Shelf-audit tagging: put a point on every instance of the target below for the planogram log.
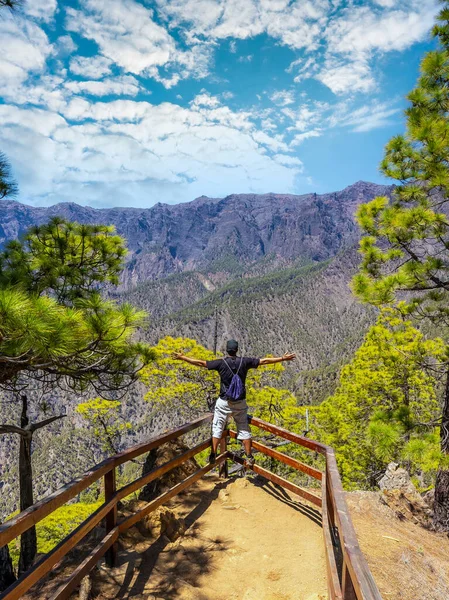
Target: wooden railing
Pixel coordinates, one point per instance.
(349, 578)
(348, 574)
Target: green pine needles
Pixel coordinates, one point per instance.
(406, 240)
(386, 406)
(54, 323)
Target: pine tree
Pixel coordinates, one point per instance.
(56, 329)
(12, 4)
(105, 419)
(385, 407)
(8, 188)
(8, 185)
(405, 247)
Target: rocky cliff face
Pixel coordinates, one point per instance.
(216, 233)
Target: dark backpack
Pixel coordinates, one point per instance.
(235, 389)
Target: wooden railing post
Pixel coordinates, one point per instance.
(223, 469)
(111, 516)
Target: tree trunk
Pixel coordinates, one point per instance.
(441, 504)
(28, 540)
(7, 576)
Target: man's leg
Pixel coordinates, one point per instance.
(247, 445)
(240, 414)
(218, 426)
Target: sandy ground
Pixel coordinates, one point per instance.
(407, 561)
(244, 541)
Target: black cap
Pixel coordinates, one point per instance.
(232, 346)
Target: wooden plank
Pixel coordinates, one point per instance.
(333, 581)
(43, 566)
(282, 482)
(287, 460)
(223, 471)
(362, 580)
(23, 521)
(65, 590)
(144, 447)
(159, 471)
(288, 435)
(133, 519)
(111, 516)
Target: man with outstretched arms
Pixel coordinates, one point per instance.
(232, 400)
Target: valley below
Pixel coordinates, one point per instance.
(272, 271)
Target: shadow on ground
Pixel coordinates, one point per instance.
(184, 561)
(282, 495)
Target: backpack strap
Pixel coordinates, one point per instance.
(236, 373)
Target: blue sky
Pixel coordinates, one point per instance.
(127, 103)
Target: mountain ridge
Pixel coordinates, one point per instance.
(211, 234)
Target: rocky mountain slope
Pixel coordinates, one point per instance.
(274, 268)
(211, 234)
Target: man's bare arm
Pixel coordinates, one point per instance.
(276, 359)
(196, 362)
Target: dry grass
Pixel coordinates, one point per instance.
(408, 562)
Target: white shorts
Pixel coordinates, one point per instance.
(223, 410)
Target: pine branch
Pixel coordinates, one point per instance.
(13, 429)
(35, 426)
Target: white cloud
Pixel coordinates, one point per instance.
(386, 3)
(365, 118)
(127, 85)
(295, 24)
(91, 67)
(288, 161)
(47, 91)
(232, 46)
(127, 34)
(358, 33)
(344, 42)
(283, 97)
(344, 77)
(313, 119)
(127, 152)
(299, 138)
(41, 9)
(25, 48)
(205, 99)
(65, 45)
(359, 30)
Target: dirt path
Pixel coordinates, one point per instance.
(244, 541)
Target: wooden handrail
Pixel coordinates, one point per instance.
(26, 519)
(68, 586)
(289, 435)
(348, 574)
(10, 529)
(357, 582)
(287, 460)
(334, 585)
(288, 485)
